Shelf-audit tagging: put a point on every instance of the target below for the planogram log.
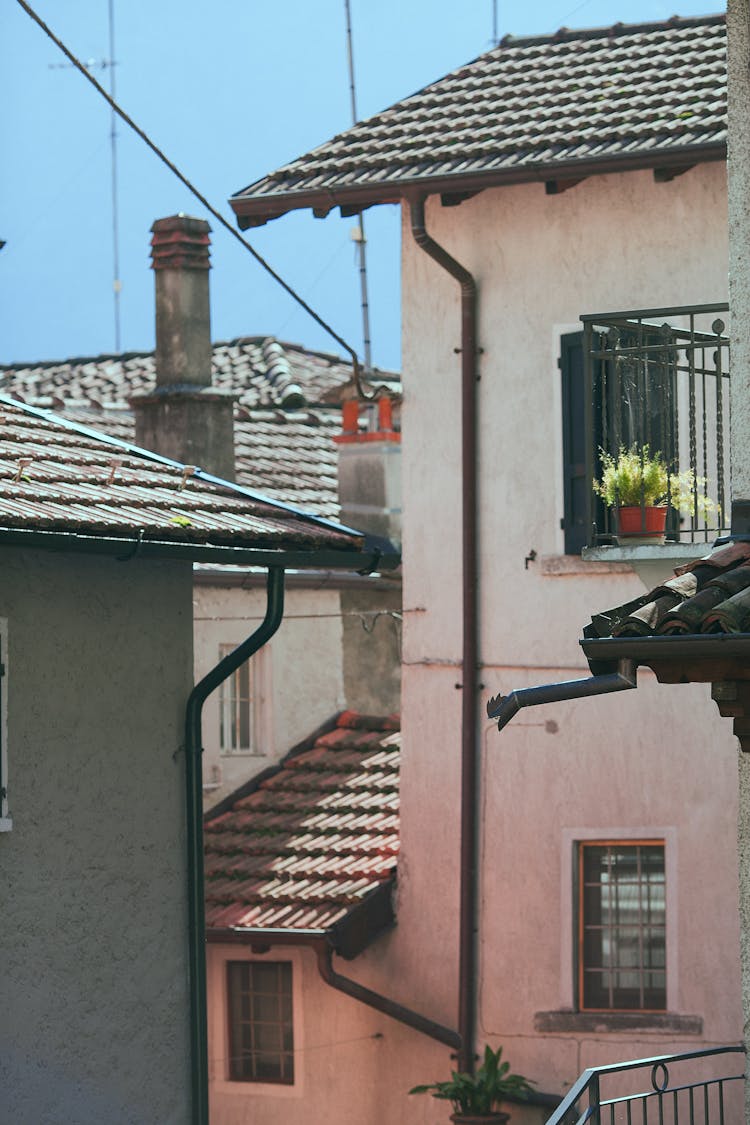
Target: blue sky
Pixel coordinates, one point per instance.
(230, 90)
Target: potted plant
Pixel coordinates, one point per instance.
(476, 1097)
(639, 485)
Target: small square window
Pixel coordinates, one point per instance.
(622, 926)
(261, 1032)
(236, 718)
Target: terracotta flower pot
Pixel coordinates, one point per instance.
(642, 525)
(495, 1118)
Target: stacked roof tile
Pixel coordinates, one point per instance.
(312, 840)
(285, 417)
(710, 596)
(56, 476)
(636, 95)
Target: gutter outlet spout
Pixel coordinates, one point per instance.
(504, 707)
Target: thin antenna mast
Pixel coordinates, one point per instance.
(359, 233)
(116, 282)
(109, 64)
(495, 36)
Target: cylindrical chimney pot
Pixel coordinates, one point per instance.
(180, 260)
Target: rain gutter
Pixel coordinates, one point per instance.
(374, 555)
(469, 874)
(194, 810)
(502, 708)
(257, 210)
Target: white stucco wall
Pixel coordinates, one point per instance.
(93, 942)
(352, 1064)
(298, 676)
(658, 759)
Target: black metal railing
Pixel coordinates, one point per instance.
(656, 381)
(695, 1088)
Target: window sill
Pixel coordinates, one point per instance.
(6, 823)
(594, 1022)
(568, 566)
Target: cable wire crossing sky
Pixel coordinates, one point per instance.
(229, 96)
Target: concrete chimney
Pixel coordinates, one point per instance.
(370, 472)
(184, 418)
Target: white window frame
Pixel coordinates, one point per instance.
(571, 837)
(6, 822)
(259, 712)
(221, 1083)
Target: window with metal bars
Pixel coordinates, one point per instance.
(622, 926)
(261, 1032)
(236, 718)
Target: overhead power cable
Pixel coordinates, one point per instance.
(198, 195)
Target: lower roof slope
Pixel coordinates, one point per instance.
(63, 479)
(286, 411)
(312, 843)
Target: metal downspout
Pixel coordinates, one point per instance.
(468, 922)
(194, 809)
(504, 707)
(381, 1003)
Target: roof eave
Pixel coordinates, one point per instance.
(254, 211)
(124, 549)
(348, 937)
(692, 658)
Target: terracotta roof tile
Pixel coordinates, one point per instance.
(334, 842)
(523, 109)
(710, 595)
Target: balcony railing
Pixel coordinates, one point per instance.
(697, 1088)
(658, 380)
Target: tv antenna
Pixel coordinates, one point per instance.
(495, 36)
(358, 234)
(109, 64)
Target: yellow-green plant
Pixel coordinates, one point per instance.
(638, 476)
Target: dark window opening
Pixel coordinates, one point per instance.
(261, 1034)
(622, 926)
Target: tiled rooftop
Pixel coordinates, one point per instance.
(56, 476)
(634, 95)
(285, 418)
(304, 845)
(710, 596)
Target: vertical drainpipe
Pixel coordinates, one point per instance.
(469, 874)
(194, 808)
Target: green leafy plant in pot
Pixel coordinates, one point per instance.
(476, 1097)
(638, 484)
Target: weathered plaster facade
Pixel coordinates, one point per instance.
(94, 989)
(656, 760)
(738, 47)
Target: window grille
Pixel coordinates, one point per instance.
(622, 926)
(656, 378)
(236, 718)
(261, 1033)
